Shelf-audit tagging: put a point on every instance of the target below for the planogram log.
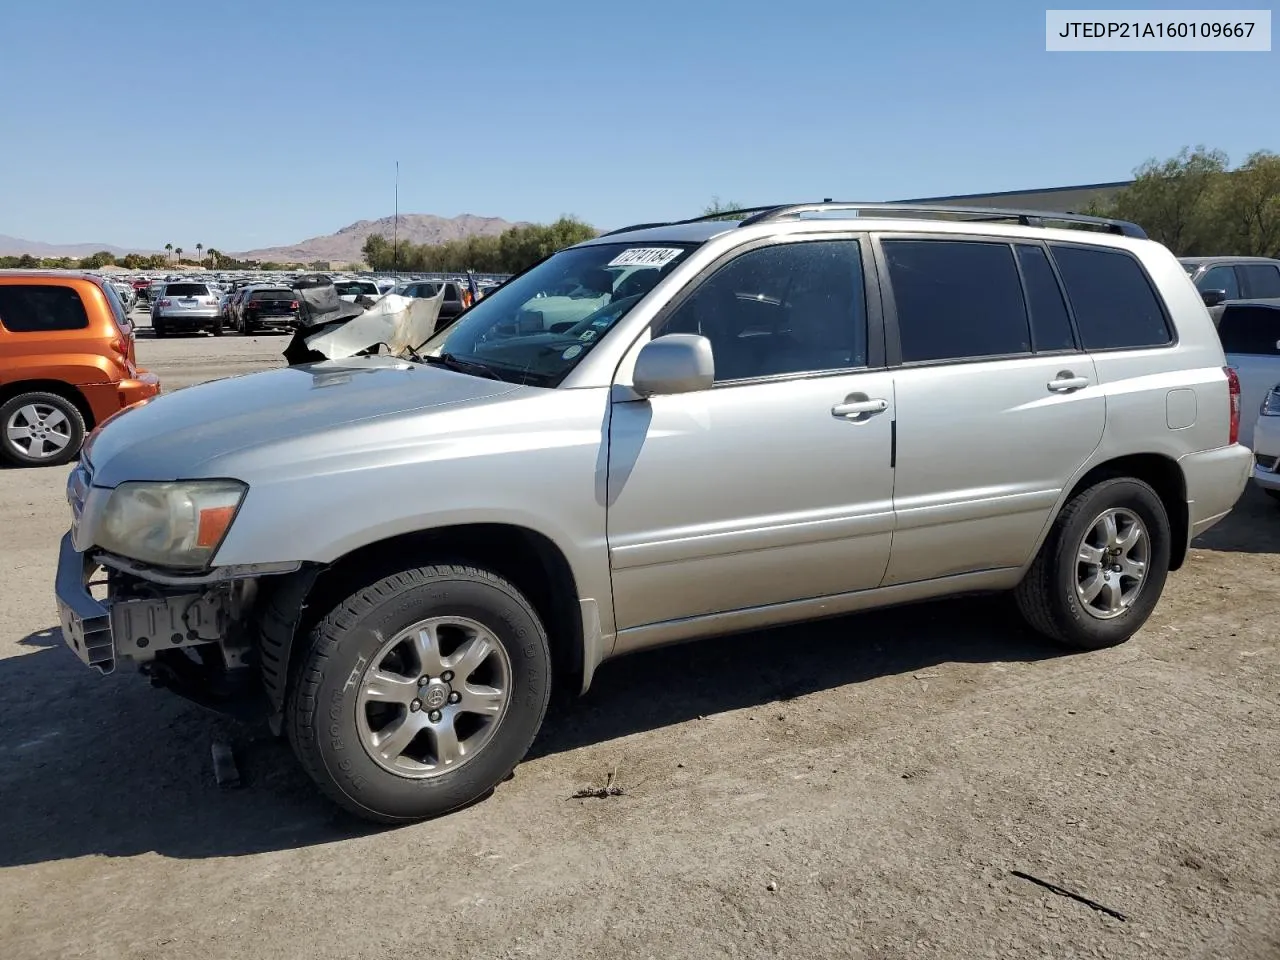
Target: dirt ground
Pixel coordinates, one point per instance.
(860, 788)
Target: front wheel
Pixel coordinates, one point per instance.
(1101, 569)
(419, 693)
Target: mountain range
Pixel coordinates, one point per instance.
(344, 245)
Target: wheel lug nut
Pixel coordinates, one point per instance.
(434, 716)
(455, 697)
(415, 706)
(423, 681)
(447, 676)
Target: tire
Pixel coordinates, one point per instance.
(60, 429)
(328, 721)
(158, 328)
(216, 329)
(246, 327)
(1048, 597)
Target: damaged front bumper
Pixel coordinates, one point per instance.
(197, 634)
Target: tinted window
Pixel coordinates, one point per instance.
(116, 304)
(791, 308)
(1262, 279)
(956, 299)
(271, 295)
(1113, 301)
(186, 290)
(1221, 278)
(1250, 329)
(1050, 324)
(28, 308)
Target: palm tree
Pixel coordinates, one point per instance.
(178, 251)
(199, 254)
(213, 257)
(168, 249)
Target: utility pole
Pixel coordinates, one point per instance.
(395, 229)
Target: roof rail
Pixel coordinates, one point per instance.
(634, 226)
(1028, 218)
(721, 215)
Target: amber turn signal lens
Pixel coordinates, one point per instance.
(213, 525)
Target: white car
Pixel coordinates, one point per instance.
(1250, 335)
(1266, 445)
(349, 290)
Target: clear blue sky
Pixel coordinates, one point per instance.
(239, 124)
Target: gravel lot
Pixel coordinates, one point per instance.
(861, 788)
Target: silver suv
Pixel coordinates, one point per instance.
(186, 305)
(664, 433)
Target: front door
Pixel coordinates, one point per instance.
(775, 484)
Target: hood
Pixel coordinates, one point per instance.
(181, 435)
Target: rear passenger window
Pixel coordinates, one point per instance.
(957, 300)
(1250, 330)
(31, 308)
(1114, 303)
(1050, 324)
(1262, 279)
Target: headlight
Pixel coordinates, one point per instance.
(1271, 405)
(177, 524)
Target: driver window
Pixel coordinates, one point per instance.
(791, 308)
(1221, 278)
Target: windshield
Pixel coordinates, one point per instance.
(538, 326)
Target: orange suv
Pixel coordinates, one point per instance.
(67, 362)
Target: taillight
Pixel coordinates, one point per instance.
(119, 346)
(162, 303)
(293, 305)
(1233, 388)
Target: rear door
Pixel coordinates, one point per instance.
(997, 405)
(1250, 335)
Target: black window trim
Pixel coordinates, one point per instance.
(1170, 327)
(892, 335)
(1062, 292)
(871, 293)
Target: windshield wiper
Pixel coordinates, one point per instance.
(463, 366)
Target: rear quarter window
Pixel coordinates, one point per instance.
(41, 308)
(1114, 303)
(1252, 330)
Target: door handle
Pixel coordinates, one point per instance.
(853, 409)
(1066, 381)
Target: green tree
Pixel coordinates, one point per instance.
(1250, 204)
(178, 252)
(100, 259)
(27, 261)
(718, 209)
(168, 248)
(200, 253)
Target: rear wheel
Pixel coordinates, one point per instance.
(216, 329)
(246, 327)
(419, 694)
(158, 327)
(39, 429)
(1101, 569)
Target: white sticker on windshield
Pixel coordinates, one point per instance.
(645, 257)
(571, 352)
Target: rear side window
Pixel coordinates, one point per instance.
(1262, 279)
(1250, 330)
(1050, 324)
(117, 305)
(1113, 301)
(32, 308)
(957, 300)
(1221, 278)
(186, 290)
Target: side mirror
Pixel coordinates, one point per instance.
(1212, 298)
(676, 363)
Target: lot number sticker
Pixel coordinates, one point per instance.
(645, 257)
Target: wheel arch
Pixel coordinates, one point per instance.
(1163, 475)
(293, 604)
(61, 388)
